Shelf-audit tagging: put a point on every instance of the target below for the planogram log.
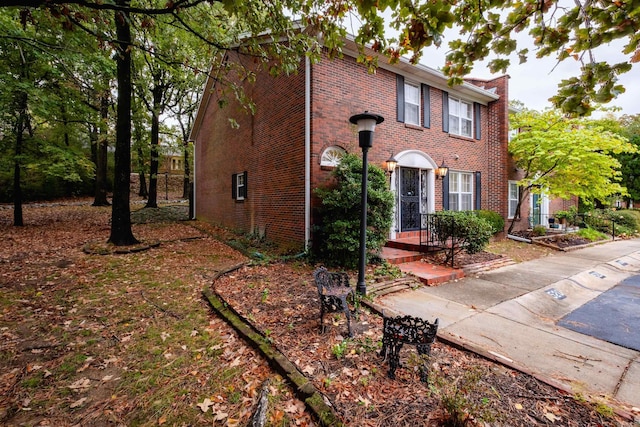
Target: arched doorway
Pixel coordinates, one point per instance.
(413, 185)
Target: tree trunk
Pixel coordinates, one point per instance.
(17, 187)
(121, 233)
(21, 125)
(100, 196)
(516, 215)
(152, 202)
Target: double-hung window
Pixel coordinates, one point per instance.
(460, 117)
(412, 103)
(460, 191)
(514, 193)
(239, 186)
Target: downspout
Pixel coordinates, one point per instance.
(193, 183)
(307, 153)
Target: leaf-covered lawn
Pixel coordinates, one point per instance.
(121, 339)
(127, 339)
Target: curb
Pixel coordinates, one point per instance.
(303, 388)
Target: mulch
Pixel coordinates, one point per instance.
(281, 301)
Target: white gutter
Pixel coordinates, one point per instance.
(307, 152)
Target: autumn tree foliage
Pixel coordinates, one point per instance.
(563, 157)
(276, 34)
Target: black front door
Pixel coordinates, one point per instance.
(409, 199)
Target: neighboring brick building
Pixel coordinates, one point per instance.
(260, 178)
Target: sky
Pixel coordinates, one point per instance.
(535, 81)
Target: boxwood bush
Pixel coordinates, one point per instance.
(337, 235)
(493, 218)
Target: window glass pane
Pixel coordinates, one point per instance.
(466, 110)
(466, 183)
(453, 202)
(466, 202)
(454, 125)
(454, 107)
(513, 190)
(411, 94)
(411, 114)
(513, 205)
(454, 185)
(466, 127)
(412, 104)
(513, 198)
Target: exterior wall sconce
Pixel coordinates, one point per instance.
(441, 171)
(390, 166)
(366, 126)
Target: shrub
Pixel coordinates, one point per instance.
(591, 234)
(468, 232)
(337, 235)
(539, 230)
(493, 218)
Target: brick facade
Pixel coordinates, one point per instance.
(270, 145)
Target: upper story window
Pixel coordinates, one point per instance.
(460, 117)
(332, 156)
(460, 191)
(411, 103)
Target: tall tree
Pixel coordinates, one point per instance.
(42, 109)
(121, 233)
(574, 32)
(564, 157)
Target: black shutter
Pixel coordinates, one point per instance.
(400, 98)
(445, 193)
(445, 111)
(426, 99)
(246, 185)
(478, 201)
(234, 186)
(476, 119)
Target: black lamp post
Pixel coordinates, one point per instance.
(366, 126)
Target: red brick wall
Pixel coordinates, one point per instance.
(341, 89)
(270, 147)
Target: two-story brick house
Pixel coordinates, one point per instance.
(260, 177)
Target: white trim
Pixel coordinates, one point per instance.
(509, 183)
(458, 192)
(307, 153)
(460, 117)
(193, 183)
(415, 86)
(418, 160)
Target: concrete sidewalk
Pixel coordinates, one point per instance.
(511, 315)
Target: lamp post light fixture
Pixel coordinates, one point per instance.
(366, 126)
